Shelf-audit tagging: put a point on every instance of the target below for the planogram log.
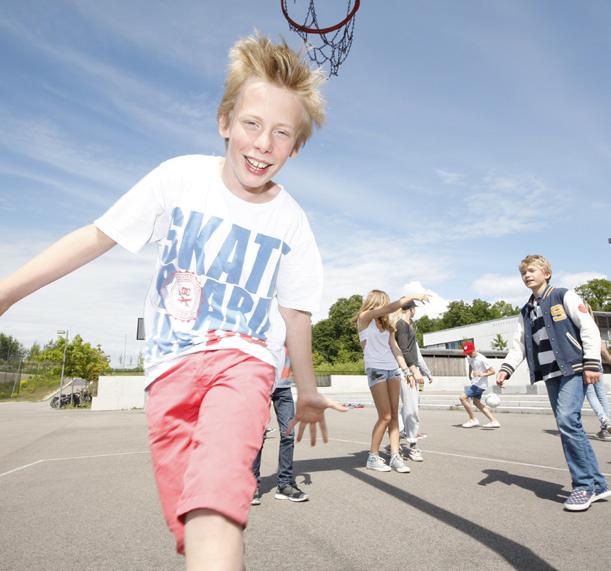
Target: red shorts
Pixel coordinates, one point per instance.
(206, 419)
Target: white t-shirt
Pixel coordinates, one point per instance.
(480, 364)
(220, 260)
(377, 353)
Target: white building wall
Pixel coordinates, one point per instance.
(119, 393)
(483, 334)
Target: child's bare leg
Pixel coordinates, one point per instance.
(484, 409)
(382, 402)
(464, 400)
(212, 542)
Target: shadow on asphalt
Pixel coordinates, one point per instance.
(590, 436)
(516, 555)
(541, 488)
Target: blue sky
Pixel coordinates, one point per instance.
(461, 136)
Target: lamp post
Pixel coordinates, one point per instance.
(66, 333)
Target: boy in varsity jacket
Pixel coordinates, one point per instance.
(561, 344)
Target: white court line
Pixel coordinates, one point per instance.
(481, 458)
(69, 458)
(428, 451)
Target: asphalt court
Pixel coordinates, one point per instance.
(77, 492)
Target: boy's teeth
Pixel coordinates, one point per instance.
(257, 164)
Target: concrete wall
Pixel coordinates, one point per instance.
(126, 393)
(119, 393)
(519, 383)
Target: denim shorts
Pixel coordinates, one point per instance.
(375, 376)
(474, 392)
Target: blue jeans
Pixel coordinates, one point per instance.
(284, 406)
(597, 397)
(566, 396)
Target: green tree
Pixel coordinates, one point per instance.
(335, 339)
(499, 343)
(10, 348)
(82, 360)
(458, 313)
(597, 293)
(503, 309)
(34, 351)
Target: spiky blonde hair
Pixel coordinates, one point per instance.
(258, 57)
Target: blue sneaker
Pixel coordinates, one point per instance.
(579, 500)
(601, 495)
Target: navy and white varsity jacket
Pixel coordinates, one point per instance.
(573, 335)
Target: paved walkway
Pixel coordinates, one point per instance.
(76, 492)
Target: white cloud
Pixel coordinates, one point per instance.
(357, 261)
(503, 205)
(149, 106)
(572, 280)
(43, 142)
(101, 301)
(434, 308)
(510, 288)
(450, 177)
(497, 287)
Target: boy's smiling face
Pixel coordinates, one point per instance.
(261, 134)
(535, 278)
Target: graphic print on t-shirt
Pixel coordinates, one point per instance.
(214, 276)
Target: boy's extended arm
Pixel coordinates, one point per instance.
(62, 257)
(311, 405)
(366, 316)
(424, 369)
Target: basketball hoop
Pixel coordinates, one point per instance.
(335, 41)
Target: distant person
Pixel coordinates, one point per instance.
(597, 393)
(409, 416)
(561, 344)
(478, 370)
(284, 407)
(385, 366)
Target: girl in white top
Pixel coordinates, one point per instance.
(384, 363)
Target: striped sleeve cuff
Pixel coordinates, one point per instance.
(507, 368)
(592, 365)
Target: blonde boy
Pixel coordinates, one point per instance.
(561, 344)
(229, 240)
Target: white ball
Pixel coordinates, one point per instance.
(493, 400)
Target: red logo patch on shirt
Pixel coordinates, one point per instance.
(582, 308)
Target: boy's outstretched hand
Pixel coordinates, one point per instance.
(501, 378)
(310, 411)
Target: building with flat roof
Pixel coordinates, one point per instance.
(483, 334)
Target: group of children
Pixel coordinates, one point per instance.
(559, 340)
(232, 244)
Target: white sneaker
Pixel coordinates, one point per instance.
(415, 455)
(397, 464)
(471, 423)
(374, 462)
(492, 424)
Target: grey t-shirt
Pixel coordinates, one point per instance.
(406, 339)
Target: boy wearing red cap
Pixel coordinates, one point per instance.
(478, 371)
